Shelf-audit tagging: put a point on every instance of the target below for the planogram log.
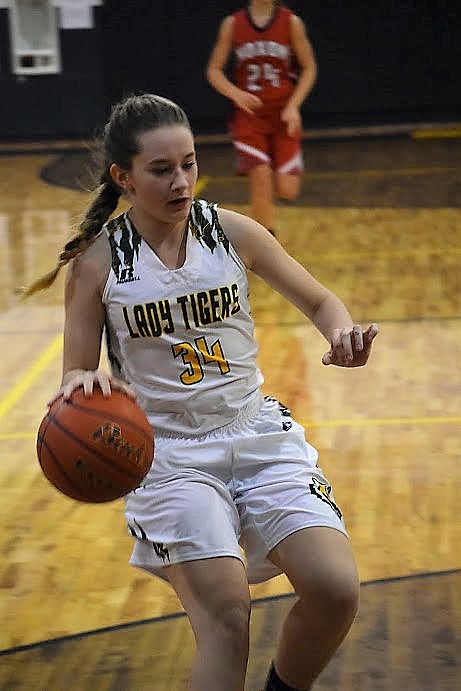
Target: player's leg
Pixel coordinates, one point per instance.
(261, 194)
(292, 524)
(251, 143)
(288, 165)
(214, 593)
(320, 565)
(186, 527)
(287, 185)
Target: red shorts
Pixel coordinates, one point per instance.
(262, 138)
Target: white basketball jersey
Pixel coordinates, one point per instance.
(183, 338)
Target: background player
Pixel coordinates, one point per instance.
(274, 71)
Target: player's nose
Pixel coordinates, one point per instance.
(180, 180)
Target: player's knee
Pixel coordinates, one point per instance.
(228, 627)
(344, 603)
(287, 187)
(335, 603)
(288, 195)
(228, 631)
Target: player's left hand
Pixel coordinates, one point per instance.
(350, 347)
(292, 118)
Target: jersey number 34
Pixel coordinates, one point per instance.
(194, 355)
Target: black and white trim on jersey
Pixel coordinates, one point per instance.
(203, 221)
(124, 252)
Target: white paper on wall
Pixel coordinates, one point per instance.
(76, 14)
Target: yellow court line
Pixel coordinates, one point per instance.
(447, 133)
(309, 424)
(31, 375)
(368, 422)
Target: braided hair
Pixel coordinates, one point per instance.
(119, 144)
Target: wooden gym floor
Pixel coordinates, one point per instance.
(379, 221)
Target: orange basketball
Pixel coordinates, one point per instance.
(95, 448)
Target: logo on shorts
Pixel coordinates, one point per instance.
(161, 551)
(137, 530)
(324, 492)
(284, 412)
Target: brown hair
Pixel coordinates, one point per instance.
(118, 144)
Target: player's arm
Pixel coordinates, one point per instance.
(84, 322)
(305, 56)
(215, 70)
(350, 346)
(84, 316)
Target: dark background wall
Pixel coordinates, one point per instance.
(65, 105)
(381, 62)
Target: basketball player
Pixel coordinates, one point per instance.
(274, 72)
(167, 283)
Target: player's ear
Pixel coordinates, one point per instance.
(121, 178)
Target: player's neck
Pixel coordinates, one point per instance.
(168, 241)
(261, 11)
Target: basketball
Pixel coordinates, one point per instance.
(95, 448)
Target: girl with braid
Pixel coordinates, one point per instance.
(166, 283)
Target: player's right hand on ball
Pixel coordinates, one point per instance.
(88, 379)
(246, 101)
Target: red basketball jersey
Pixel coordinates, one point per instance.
(263, 56)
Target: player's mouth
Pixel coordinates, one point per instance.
(180, 203)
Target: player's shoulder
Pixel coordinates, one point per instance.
(120, 228)
(287, 20)
(234, 223)
(283, 13)
(227, 24)
(296, 22)
(115, 235)
(116, 225)
(239, 14)
(207, 211)
(296, 19)
(204, 216)
(92, 265)
(283, 10)
(226, 28)
(201, 205)
(239, 18)
(248, 237)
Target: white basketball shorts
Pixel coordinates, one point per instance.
(245, 486)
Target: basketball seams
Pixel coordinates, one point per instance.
(70, 481)
(46, 422)
(114, 417)
(88, 447)
(60, 468)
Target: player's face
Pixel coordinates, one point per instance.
(163, 174)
